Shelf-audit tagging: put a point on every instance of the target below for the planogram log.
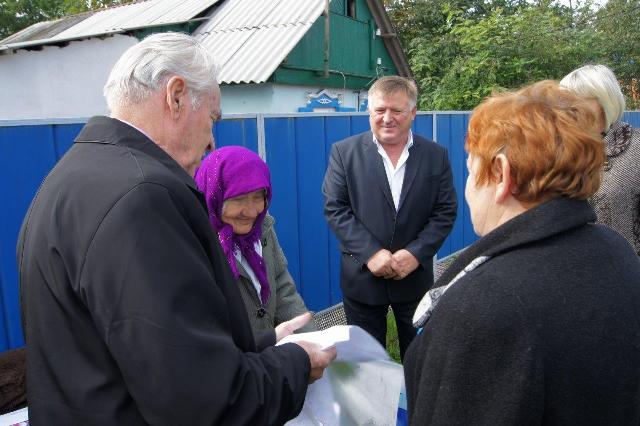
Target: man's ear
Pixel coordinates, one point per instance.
(176, 95)
(502, 176)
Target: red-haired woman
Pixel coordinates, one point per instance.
(538, 322)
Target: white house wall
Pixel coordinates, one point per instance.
(66, 82)
(275, 98)
(59, 82)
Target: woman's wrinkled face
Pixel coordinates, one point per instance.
(242, 211)
(481, 200)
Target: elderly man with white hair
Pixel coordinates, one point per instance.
(130, 311)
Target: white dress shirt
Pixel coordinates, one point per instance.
(245, 264)
(395, 175)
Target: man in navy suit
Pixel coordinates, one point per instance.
(389, 198)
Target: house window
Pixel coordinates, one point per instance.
(351, 8)
(344, 7)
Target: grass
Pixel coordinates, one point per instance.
(393, 345)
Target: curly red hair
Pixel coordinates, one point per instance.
(548, 134)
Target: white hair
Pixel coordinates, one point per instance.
(599, 82)
(144, 68)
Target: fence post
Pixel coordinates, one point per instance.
(434, 117)
(262, 146)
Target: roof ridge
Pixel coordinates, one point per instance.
(115, 6)
(257, 27)
(100, 9)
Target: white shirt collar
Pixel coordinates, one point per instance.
(406, 147)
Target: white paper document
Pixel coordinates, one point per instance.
(361, 387)
(325, 338)
(15, 418)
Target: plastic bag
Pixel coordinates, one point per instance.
(361, 387)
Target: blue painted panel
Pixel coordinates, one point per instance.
(297, 150)
(633, 118)
(336, 129)
(451, 131)
(281, 159)
(359, 124)
(423, 126)
(27, 153)
(313, 237)
(241, 132)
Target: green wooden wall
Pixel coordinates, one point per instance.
(354, 49)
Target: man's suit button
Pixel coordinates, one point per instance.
(261, 312)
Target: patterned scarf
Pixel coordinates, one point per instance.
(226, 173)
(431, 299)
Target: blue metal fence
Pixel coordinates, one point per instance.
(296, 148)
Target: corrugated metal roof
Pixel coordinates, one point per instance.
(112, 20)
(45, 30)
(250, 39)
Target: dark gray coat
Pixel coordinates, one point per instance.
(131, 313)
(546, 332)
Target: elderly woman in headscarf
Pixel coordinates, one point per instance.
(617, 202)
(538, 322)
(237, 186)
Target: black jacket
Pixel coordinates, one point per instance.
(131, 313)
(359, 209)
(547, 331)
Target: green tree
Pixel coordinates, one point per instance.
(618, 23)
(422, 18)
(473, 54)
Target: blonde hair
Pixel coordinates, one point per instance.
(599, 82)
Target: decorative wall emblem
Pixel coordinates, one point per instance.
(324, 101)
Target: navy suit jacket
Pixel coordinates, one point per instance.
(359, 209)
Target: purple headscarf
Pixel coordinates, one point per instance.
(226, 173)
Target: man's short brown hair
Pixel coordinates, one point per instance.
(392, 84)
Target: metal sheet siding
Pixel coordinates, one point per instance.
(297, 149)
(451, 130)
(27, 153)
(315, 278)
(281, 158)
(632, 117)
(232, 131)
